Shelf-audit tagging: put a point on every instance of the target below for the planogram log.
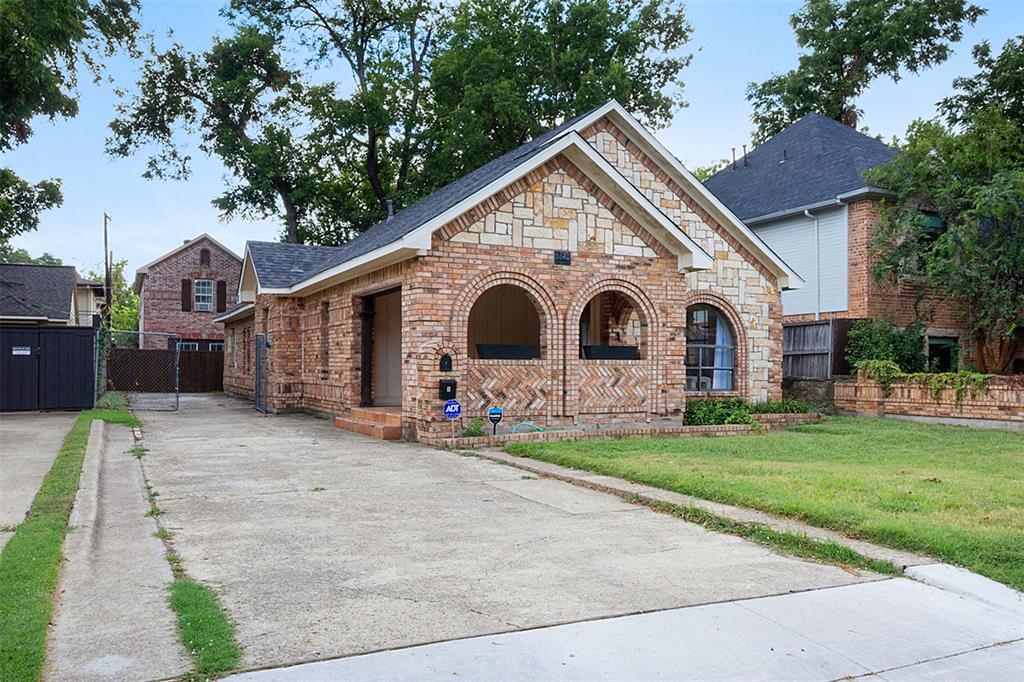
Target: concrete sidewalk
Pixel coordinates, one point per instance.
(28, 445)
(111, 619)
(892, 630)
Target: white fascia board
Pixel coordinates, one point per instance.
(788, 278)
(235, 314)
(33, 318)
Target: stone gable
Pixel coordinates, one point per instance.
(561, 210)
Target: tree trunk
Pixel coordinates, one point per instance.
(373, 168)
(291, 216)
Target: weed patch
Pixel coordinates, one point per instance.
(205, 630)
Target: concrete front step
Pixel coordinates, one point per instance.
(369, 428)
(390, 416)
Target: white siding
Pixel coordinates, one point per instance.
(793, 240)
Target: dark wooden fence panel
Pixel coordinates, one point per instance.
(815, 350)
(201, 371)
(153, 371)
(47, 368)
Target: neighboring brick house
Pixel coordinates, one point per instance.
(803, 193)
(585, 277)
(183, 290)
(48, 295)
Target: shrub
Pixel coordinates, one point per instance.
(475, 428)
(882, 340)
(784, 406)
(704, 412)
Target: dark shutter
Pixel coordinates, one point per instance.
(222, 296)
(186, 295)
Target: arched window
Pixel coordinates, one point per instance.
(710, 350)
(204, 257)
(504, 325)
(611, 328)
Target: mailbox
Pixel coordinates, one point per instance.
(446, 390)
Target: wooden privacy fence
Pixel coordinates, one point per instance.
(154, 371)
(815, 350)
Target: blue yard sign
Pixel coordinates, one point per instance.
(452, 409)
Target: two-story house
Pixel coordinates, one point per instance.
(183, 290)
(804, 194)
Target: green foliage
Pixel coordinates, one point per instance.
(124, 310)
(29, 560)
(508, 70)
(21, 203)
(475, 428)
(998, 84)
(702, 173)
(42, 47)
(882, 371)
(241, 100)
(953, 493)
(707, 411)
(962, 383)
(882, 340)
(435, 92)
(784, 406)
(847, 45)
(973, 179)
(9, 255)
(205, 630)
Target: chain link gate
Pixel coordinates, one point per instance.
(146, 367)
(260, 385)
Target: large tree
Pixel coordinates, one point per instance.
(510, 69)
(43, 45)
(241, 101)
(956, 225)
(848, 44)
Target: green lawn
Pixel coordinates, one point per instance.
(952, 492)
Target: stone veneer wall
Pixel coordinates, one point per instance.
(736, 275)
(1003, 400)
(510, 239)
(161, 294)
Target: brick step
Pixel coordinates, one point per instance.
(368, 428)
(377, 415)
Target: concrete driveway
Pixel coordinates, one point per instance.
(29, 442)
(323, 543)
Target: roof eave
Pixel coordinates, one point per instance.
(236, 314)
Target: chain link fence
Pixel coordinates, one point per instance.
(145, 367)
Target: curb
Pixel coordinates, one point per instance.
(653, 497)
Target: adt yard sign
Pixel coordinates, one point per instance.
(452, 409)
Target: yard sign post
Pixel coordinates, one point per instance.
(452, 410)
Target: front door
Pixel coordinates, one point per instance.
(387, 349)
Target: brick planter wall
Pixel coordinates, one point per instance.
(1003, 400)
(769, 422)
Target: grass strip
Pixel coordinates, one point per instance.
(30, 559)
(205, 630)
(781, 541)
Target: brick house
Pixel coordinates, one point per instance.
(803, 193)
(182, 291)
(585, 277)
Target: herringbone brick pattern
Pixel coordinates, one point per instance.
(613, 386)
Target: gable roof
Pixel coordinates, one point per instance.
(280, 267)
(812, 162)
(144, 270)
(38, 292)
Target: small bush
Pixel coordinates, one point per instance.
(705, 412)
(784, 406)
(475, 428)
(882, 340)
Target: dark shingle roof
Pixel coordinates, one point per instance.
(281, 265)
(814, 160)
(37, 290)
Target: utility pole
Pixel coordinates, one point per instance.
(108, 275)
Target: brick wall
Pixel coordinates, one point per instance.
(161, 294)
(1003, 399)
(510, 239)
(238, 357)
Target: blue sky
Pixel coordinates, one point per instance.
(734, 43)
